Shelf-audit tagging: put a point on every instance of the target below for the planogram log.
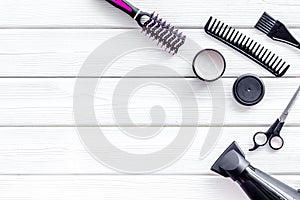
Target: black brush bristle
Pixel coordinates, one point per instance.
(276, 30)
(266, 23)
(165, 34)
(246, 46)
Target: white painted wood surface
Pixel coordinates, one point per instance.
(28, 53)
(97, 14)
(25, 100)
(123, 187)
(43, 46)
(58, 150)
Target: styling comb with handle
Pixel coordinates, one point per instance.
(246, 46)
(276, 30)
(158, 29)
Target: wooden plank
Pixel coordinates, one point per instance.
(49, 102)
(27, 150)
(82, 13)
(123, 187)
(44, 53)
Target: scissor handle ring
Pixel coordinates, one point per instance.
(276, 142)
(259, 142)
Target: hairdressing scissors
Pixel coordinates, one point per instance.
(272, 136)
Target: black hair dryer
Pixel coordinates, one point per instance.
(256, 184)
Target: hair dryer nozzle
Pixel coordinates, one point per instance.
(231, 163)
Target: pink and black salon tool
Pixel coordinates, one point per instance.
(158, 29)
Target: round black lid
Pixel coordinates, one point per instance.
(248, 90)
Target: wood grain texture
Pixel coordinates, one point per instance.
(99, 14)
(123, 187)
(49, 102)
(59, 151)
(53, 52)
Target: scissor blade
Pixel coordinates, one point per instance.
(289, 106)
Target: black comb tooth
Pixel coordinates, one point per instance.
(213, 25)
(267, 57)
(259, 54)
(220, 29)
(234, 38)
(281, 67)
(216, 27)
(274, 61)
(256, 50)
(230, 37)
(263, 55)
(242, 41)
(268, 63)
(253, 47)
(284, 71)
(238, 41)
(226, 36)
(249, 46)
(245, 46)
(224, 30)
(246, 43)
(276, 66)
(238, 37)
(208, 24)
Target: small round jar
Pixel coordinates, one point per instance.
(248, 90)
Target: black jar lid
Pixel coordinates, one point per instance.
(248, 90)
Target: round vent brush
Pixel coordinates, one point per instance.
(158, 29)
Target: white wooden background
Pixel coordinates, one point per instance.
(43, 45)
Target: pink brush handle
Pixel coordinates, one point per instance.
(124, 6)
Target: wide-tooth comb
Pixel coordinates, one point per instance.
(276, 30)
(165, 34)
(246, 46)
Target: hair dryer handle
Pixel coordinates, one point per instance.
(261, 186)
(124, 6)
(253, 192)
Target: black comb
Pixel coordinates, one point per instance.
(276, 30)
(246, 46)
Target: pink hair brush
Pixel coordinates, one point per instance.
(158, 29)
